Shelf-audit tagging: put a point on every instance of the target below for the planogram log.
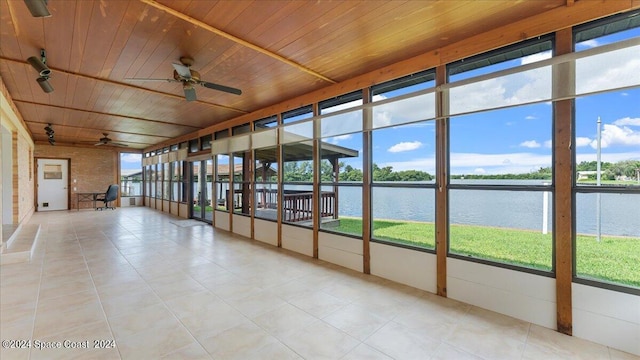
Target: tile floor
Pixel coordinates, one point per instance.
(142, 287)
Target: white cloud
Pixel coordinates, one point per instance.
(530, 117)
(131, 158)
(582, 141)
(535, 57)
(587, 44)
(623, 69)
(627, 121)
(479, 171)
(337, 139)
(467, 163)
(405, 146)
(608, 157)
(617, 135)
(548, 144)
(530, 144)
(400, 112)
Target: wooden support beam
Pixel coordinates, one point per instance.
(442, 221)
(563, 183)
(316, 181)
(367, 119)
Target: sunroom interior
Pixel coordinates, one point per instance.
(490, 159)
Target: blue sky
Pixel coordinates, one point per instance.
(517, 139)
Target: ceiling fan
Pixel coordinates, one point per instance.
(106, 141)
(182, 73)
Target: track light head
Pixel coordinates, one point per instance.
(48, 129)
(39, 65)
(44, 84)
(38, 8)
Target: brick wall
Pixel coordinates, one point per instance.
(94, 169)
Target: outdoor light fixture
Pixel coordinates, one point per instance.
(38, 8)
(49, 130)
(43, 71)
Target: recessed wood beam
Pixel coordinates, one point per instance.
(71, 73)
(105, 114)
(235, 39)
(111, 131)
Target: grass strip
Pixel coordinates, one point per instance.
(614, 259)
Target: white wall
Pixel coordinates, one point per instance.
(221, 220)
(298, 239)
(341, 250)
(409, 267)
(606, 317)
(518, 294)
(242, 225)
(265, 231)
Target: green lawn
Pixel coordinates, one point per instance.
(612, 259)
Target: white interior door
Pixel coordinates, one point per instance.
(53, 192)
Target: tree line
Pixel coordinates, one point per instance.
(302, 171)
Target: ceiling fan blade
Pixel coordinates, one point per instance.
(221, 87)
(142, 79)
(182, 70)
(118, 144)
(99, 144)
(189, 92)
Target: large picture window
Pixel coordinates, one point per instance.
(403, 162)
(607, 154)
(341, 164)
(500, 157)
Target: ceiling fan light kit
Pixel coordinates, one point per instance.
(37, 8)
(49, 130)
(105, 140)
(43, 70)
(182, 73)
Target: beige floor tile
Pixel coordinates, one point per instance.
(246, 341)
(318, 303)
(117, 305)
(549, 344)
(364, 351)
(400, 342)
(155, 342)
(193, 351)
(213, 321)
(197, 303)
(258, 303)
(320, 340)
(140, 319)
(486, 342)
(284, 319)
(66, 312)
(447, 352)
(356, 321)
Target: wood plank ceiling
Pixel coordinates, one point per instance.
(271, 50)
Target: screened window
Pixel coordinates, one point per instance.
(607, 148)
(500, 157)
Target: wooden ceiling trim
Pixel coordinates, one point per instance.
(235, 39)
(70, 73)
(106, 114)
(547, 22)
